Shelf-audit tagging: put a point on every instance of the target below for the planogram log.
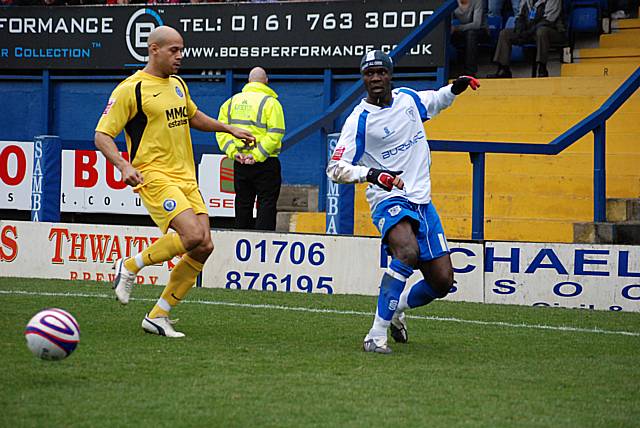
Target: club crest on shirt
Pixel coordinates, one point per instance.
(394, 210)
(179, 92)
(411, 113)
(381, 224)
(169, 205)
(388, 132)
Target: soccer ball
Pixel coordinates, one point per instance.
(52, 334)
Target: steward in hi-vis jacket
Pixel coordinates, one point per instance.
(256, 167)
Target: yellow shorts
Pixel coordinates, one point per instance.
(165, 198)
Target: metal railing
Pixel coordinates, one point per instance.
(595, 122)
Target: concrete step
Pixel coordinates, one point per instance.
(626, 233)
(624, 53)
(616, 141)
(558, 185)
(623, 210)
(551, 86)
(621, 121)
(519, 206)
(576, 163)
(632, 31)
(626, 24)
(619, 40)
(608, 60)
(603, 69)
(298, 198)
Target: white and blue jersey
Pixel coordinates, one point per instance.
(393, 138)
(390, 138)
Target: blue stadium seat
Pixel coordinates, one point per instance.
(495, 26)
(584, 17)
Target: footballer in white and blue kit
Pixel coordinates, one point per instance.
(383, 142)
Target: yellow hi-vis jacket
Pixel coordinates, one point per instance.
(257, 110)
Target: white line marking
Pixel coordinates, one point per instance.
(335, 311)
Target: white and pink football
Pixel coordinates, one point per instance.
(52, 334)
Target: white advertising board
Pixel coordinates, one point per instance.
(74, 251)
(91, 184)
(215, 177)
(601, 277)
(605, 277)
(321, 264)
(16, 172)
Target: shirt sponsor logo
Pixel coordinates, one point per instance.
(177, 116)
(337, 154)
(404, 146)
(110, 103)
(169, 205)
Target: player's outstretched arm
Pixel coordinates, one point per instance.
(205, 123)
(108, 148)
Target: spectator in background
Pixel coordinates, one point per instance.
(256, 168)
(537, 21)
(471, 30)
(495, 7)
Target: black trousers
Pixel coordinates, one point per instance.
(261, 180)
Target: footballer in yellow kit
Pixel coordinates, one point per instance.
(155, 113)
(155, 110)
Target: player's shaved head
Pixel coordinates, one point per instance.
(257, 74)
(163, 35)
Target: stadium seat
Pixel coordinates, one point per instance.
(585, 16)
(495, 26)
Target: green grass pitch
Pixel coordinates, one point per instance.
(295, 360)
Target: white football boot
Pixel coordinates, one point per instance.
(398, 328)
(376, 344)
(123, 282)
(162, 326)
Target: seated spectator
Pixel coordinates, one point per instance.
(495, 7)
(538, 21)
(471, 30)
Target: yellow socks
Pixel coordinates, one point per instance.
(162, 250)
(181, 280)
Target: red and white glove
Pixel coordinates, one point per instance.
(461, 83)
(385, 179)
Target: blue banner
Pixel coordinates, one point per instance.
(340, 199)
(45, 184)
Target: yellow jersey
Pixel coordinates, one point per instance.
(154, 113)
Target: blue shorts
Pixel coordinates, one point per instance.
(432, 242)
